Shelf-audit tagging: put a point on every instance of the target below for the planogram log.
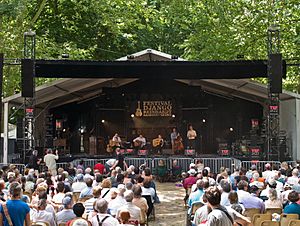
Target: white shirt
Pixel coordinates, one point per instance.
(148, 191)
(135, 212)
(58, 197)
(110, 162)
(292, 180)
(78, 186)
(116, 204)
(224, 199)
(141, 139)
(65, 215)
(110, 221)
(42, 215)
(268, 174)
(243, 195)
(50, 161)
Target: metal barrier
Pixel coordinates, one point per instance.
(139, 161)
(292, 163)
(155, 162)
(183, 162)
(260, 165)
(216, 163)
(20, 167)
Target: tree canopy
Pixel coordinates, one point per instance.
(106, 30)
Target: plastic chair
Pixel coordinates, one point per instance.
(286, 218)
(269, 223)
(294, 223)
(250, 212)
(258, 218)
(190, 216)
(274, 210)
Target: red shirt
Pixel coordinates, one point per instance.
(100, 167)
(188, 182)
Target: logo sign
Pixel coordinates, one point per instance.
(157, 108)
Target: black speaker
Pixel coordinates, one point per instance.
(27, 72)
(275, 73)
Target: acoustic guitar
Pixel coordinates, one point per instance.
(110, 145)
(137, 143)
(138, 111)
(157, 142)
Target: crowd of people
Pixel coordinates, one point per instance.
(117, 194)
(107, 194)
(225, 197)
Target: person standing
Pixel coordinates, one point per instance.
(173, 136)
(50, 161)
(191, 136)
(15, 212)
(34, 161)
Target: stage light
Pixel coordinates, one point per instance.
(231, 129)
(103, 121)
(203, 120)
(64, 130)
(132, 115)
(173, 116)
(82, 130)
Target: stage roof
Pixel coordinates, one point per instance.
(69, 90)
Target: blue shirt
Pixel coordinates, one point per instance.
(17, 210)
(195, 197)
(292, 208)
(86, 192)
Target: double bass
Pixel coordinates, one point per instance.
(178, 145)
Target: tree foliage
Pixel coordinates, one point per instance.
(106, 30)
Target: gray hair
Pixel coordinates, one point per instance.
(101, 205)
(128, 195)
(35, 152)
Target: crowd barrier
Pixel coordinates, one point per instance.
(213, 163)
(260, 165)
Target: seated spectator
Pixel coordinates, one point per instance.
(67, 213)
(147, 190)
(272, 184)
(49, 208)
(293, 207)
(140, 202)
(60, 193)
(135, 212)
(226, 188)
(41, 214)
(234, 202)
(100, 167)
(79, 185)
(102, 215)
(29, 185)
(255, 181)
(88, 191)
(105, 192)
(253, 201)
(88, 204)
(176, 169)
(98, 180)
(78, 210)
(273, 201)
(197, 195)
(294, 179)
(199, 165)
(124, 218)
(242, 191)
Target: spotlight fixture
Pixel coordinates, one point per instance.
(132, 115)
(103, 121)
(231, 129)
(173, 116)
(64, 130)
(203, 120)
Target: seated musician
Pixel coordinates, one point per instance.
(139, 142)
(158, 144)
(116, 140)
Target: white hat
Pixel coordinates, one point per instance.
(208, 169)
(192, 171)
(192, 165)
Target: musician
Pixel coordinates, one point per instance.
(174, 135)
(139, 142)
(158, 144)
(117, 140)
(191, 136)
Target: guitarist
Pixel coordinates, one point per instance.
(139, 143)
(158, 144)
(116, 140)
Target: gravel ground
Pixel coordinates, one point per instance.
(170, 212)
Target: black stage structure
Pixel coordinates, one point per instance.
(224, 124)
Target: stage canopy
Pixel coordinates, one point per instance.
(68, 90)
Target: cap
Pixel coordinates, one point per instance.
(10, 174)
(192, 165)
(79, 176)
(88, 170)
